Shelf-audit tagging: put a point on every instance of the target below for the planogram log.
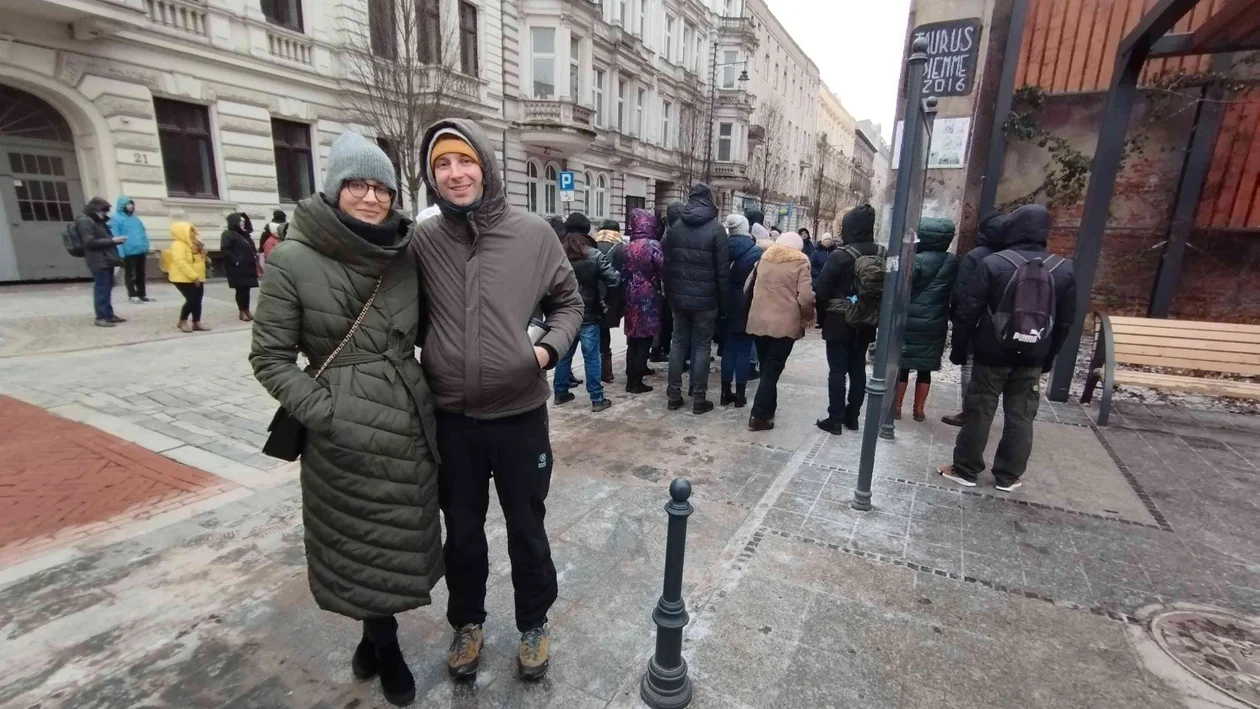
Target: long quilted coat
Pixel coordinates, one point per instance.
(641, 274)
(927, 316)
(369, 474)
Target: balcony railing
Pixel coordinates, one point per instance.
(454, 83)
(739, 26)
(561, 111)
(179, 16)
(730, 170)
(289, 47)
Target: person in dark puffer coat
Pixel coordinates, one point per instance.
(738, 349)
(664, 340)
(609, 242)
(927, 315)
(369, 467)
(989, 240)
(641, 277)
(240, 260)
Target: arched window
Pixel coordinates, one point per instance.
(587, 183)
(601, 196)
(531, 186)
(549, 190)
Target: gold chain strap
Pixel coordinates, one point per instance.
(357, 322)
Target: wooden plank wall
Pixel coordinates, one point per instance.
(1070, 46)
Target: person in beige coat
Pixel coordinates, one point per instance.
(782, 308)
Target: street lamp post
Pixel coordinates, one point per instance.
(743, 80)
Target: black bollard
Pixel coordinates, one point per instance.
(665, 684)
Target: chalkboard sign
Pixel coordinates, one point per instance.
(952, 50)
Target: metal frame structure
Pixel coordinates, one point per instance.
(911, 166)
(1235, 27)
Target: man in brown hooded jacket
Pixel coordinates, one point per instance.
(487, 267)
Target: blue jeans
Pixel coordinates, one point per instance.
(736, 357)
(102, 289)
(588, 337)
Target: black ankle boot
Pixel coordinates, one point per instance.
(739, 398)
(727, 397)
(397, 682)
(363, 664)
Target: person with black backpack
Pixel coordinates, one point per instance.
(1014, 315)
(99, 248)
(847, 295)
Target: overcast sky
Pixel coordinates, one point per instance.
(857, 47)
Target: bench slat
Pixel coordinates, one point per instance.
(1225, 367)
(1209, 335)
(1209, 358)
(1127, 340)
(1186, 324)
(1216, 387)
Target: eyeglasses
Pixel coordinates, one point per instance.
(359, 189)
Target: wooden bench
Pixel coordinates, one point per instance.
(1178, 344)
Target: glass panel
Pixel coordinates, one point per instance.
(544, 78)
(67, 212)
(45, 165)
(544, 40)
(304, 175)
(170, 164)
(36, 189)
(58, 167)
(22, 192)
(41, 213)
(24, 211)
(15, 163)
(201, 171)
(32, 165)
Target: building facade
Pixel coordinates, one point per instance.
(199, 108)
(831, 194)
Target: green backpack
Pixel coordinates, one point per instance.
(868, 287)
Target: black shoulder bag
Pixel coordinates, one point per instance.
(286, 435)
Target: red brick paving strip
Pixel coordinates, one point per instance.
(62, 481)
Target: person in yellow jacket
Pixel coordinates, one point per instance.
(185, 264)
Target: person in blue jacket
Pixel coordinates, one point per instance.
(134, 251)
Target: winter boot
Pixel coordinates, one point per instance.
(756, 424)
(465, 656)
(606, 373)
(954, 419)
(397, 682)
(701, 406)
(740, 399)
(728, 397)
(534, 654)
(920, 400)
(831, 426)
(901, 397)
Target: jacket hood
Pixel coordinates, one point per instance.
(239, 222)
(935, 234)
(120, 205)
(317, 225)
(493, 199)
(673, 213)
(778, 253)
(699, 208)
(642, 224)
(736, 224)
(607, 236)
(858, 225)
(989, 230)
(185, 233)
(738, 246)
(96, 206)
(754, 216)
(1027, 226)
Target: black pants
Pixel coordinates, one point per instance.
(773, 353)
(192, 293)
(923, 377)
(242, 298)
(846, 359)
(693, 335)
(1019, 388)
(516, 452)
(666, 337)
(637, 349)
(605, 341)
(133, 275)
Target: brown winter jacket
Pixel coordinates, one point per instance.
(783, 297)
(485, 274)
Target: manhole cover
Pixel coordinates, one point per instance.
(1222, 649)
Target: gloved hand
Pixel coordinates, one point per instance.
(957, 356)
(1049, 365)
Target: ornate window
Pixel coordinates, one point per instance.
(531, 186)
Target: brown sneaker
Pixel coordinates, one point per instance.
(953, 419)
(534, 655)
(466, 652)
(184, 326)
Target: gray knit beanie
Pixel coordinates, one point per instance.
(354, 157)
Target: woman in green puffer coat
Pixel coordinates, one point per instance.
(369, 468)
(927, 316)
